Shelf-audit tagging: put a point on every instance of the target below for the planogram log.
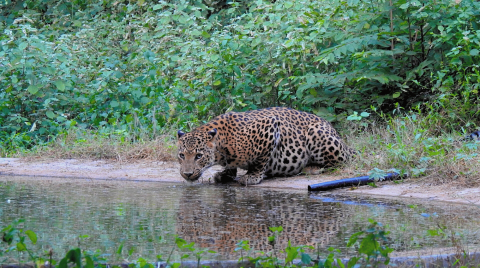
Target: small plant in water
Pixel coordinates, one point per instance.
(242, 246)
(15, 238)
(372, 244)
(185, 246)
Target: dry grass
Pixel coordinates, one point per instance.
(72, 145)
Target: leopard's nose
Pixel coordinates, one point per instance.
(188, 174)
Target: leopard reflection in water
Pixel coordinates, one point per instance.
(246, 214)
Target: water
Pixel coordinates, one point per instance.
(136, 214)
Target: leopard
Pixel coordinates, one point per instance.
(267, 143)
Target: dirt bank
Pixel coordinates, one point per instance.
(168, 172)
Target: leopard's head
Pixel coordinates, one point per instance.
(196, 152)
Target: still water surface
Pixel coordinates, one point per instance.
(215, 217)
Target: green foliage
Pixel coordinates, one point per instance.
(148, 65)
(14, 238)
(373, 243)
(425, 141)
(75, 256)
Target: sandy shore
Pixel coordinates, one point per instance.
(168, 172)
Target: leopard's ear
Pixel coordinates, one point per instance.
(212, 133)
(180, 134)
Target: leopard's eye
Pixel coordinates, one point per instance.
(198, 156)
(182, 156)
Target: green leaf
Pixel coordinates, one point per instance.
(47, 70)
(214, 57)
(74, 256)
(237, 70)
(306, 259)
(217, 83)
(120, 248)
(474, 52)
(157, 7)
(288, 5)
(21, 246)
(118, 74)
(114, 104)
(354, 117)
(32, 235)
(291, 253)
(23, 45)
(180, 242)
(33, 89)
(129, 118)
(205, 34)
(396, 95)
(60, 85)
(183, 19)
(368, 245)
(89, 262)
(196, 32)
(433, 232)
(353, 238)
(62, 58)
(50, 114)
(353, 261)
(276, 229)
(377, 174)
(63, 263)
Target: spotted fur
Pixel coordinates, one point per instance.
(267, 143)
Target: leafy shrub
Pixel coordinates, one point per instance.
(146, 66)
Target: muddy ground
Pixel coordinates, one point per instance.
(168, 172)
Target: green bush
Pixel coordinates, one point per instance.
(145, 66)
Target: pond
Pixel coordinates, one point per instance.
(102, 215)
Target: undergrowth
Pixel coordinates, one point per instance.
(415, 144)
(153, 64)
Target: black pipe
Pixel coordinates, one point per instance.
(324, 186)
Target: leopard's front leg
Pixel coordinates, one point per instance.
(252, 145)
(226, 175)
(255, 173)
